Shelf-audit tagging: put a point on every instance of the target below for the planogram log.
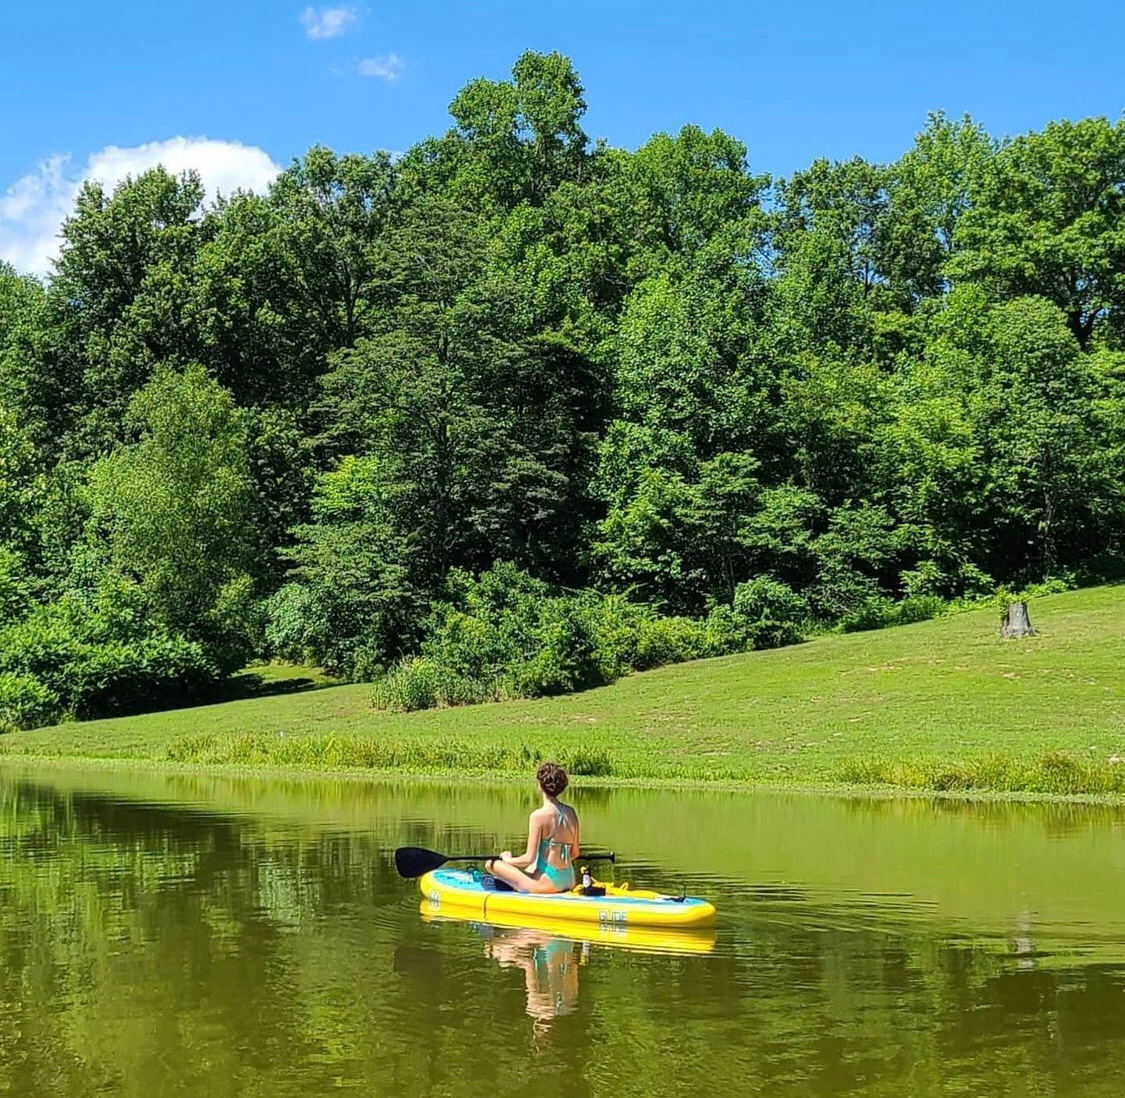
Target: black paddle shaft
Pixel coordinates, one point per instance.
(413, 861)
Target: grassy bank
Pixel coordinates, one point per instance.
(942, 705)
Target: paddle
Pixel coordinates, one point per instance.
(413, 861)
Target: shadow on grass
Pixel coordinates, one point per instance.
(248, 685)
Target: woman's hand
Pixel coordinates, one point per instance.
(505, 855)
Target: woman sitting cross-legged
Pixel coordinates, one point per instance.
(552, 842)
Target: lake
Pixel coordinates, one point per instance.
(197, 935)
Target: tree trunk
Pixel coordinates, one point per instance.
(1014, 622)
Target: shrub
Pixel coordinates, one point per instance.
(410, 686)
(841, 592)
(670, 640)
(1104, 567)
(614, 623)
(25, 702)
(589, 762)
(875, 613)
(154, 672)
(506, 634)
(959, 580)
(561, 656)
(919, 608)
(422, 683)
(365, 662)
(45, 644)
(726, 632)
(95, 665)
(878, 613)
(772, 613)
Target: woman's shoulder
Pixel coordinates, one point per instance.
(569, 815)
(547, 814)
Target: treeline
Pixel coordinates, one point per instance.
(524, 410)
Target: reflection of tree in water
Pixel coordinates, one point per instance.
(550, 967)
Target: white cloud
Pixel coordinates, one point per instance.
(33, 208)
(327, 22)
(388, 66)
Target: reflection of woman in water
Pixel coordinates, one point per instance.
(552, 842)
(550, 968)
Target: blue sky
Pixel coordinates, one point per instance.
(105, 88)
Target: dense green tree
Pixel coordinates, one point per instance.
(171, 513)
(844, 202)
(37, 381)
(17, 476)
(832, 413)
(684, 360)
(116, 305)
(1051, 457)
(285, 280)
(485, 432)
(354, 599)
(517, 141)
(929, 190)
(681, 541)
(18, 503)
(1047, 217)
(693, 192)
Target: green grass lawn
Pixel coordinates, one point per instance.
(939, 705)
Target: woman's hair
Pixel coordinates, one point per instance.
(552, 779)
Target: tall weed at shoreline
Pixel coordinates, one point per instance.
(334, 752)
(1057, 773)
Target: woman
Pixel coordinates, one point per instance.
(552, 842)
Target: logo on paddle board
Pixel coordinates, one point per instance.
(612, 918)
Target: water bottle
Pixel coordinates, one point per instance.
(587, 880)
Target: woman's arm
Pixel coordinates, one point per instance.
(530, 855)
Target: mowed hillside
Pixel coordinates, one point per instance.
(872, 707)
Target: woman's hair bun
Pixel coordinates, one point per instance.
(552, 779)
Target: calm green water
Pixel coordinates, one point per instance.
(174, 936)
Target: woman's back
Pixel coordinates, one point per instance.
(558, 832)
(558, 843)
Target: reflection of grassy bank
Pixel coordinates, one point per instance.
(942, 705)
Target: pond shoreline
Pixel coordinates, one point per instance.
(28, 762)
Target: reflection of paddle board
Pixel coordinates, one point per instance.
(459, 892)
(643, 939)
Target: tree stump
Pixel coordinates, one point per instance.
(1014, 622)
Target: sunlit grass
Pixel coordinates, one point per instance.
(940, 704)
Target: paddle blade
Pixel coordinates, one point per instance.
(413, 861)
